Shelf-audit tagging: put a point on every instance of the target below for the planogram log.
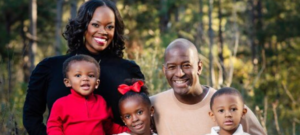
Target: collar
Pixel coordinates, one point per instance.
(89, 97)
(215, 130)
(102, 55)
(195, 106)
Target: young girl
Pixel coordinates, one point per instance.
(135, 107)
(81, 112)
(227, 109)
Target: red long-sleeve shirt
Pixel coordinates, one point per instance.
(78, 115)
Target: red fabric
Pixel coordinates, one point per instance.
(77, 115)
(136, 87)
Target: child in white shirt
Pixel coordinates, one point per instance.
(227, 109)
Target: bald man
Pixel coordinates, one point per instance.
(183, 109)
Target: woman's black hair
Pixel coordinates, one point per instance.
(75, 29)
(144, 94)
(76, 58)
(223, 91)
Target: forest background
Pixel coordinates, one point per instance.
(252, 45)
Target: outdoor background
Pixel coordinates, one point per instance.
(252, 45)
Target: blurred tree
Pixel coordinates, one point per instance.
(33, 33)
(222, 75)
(73, 8)
(211, 43)
(58, 26)
(199, 36)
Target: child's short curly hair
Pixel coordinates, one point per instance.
(223, 91)
(76, 58)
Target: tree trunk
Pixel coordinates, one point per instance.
(259, 31)
(59, 8)
(211, 61)
(163, 17)
(199, 39)
(220, 49)
(26, 63)
(274, 107)
(33, 36)
(251, 33)
(8, 24)
(236, 45)
(73, 9)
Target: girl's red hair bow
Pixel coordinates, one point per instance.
(136, 87)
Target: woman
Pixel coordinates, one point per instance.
(96, 31)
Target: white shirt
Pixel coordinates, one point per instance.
(239, 131)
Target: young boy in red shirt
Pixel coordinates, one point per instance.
(82, 112)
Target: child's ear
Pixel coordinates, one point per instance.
(152, 111)
(244, 111)
(67, 82)
(152, 122)
(123, 120)
(211, 115)
(97, 83)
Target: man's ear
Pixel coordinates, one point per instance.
(67, 82)
(199, 67)
(164, 69)
(211, 115)
(97, 83)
